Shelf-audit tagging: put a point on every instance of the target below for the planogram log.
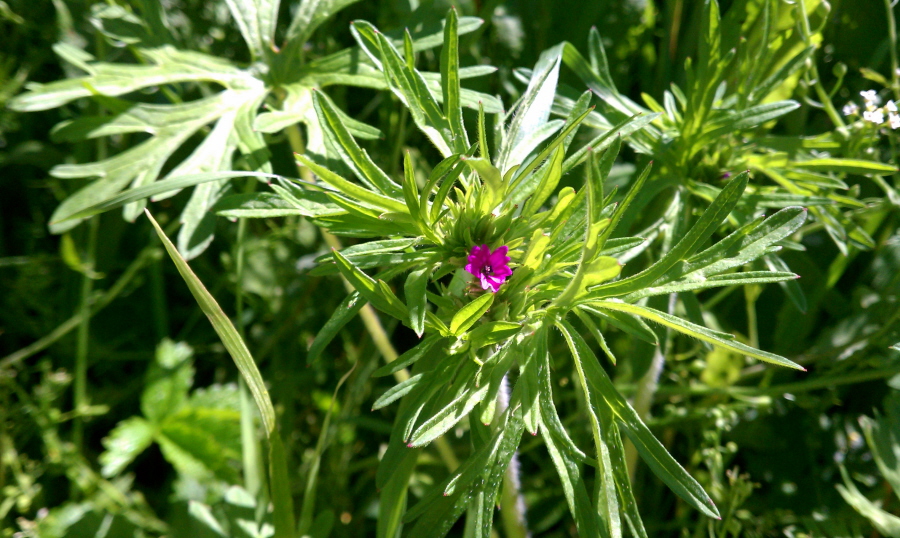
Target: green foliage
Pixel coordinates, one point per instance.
(198, 434)
(642, 220)
(234, 95)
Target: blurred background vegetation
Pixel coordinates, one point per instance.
(782, 453)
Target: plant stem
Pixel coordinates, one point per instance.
(250, 454)
(81, 353)
(147, 256)
(814, 71)
(892, 38)
(751, 292)
(512, 505)
(647, 388)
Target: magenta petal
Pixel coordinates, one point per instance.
(485, 282)
(491, 268)
(495, 283)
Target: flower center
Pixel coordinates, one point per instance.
(487, 269)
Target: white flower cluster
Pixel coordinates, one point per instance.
(873, 113)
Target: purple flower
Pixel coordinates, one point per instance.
(492, 268)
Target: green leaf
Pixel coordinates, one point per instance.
(651, 450)
(353, 190)
(124, 443)
(547, 184)
(623, 129)
(531, 112)
(410, 87)
(416, 301)
(379, 259)
(345, 311)
(604, 487)
(743, 245)
(849, 166)
(226, 331)
(410, 357)
(450, 89)
(396, 392)
(470, 313)
(494, 332)
(256, 20)
(573, 485)
(717, 211)
(697, 331)
(728, 279)
(209, 436)
(625, 322)
(376, 292)
(749, 118)
(884, 522)
(883, 437)
(529, 378)
(89, 207)
(446, 418)
(493, 182)
(255, 205)
(168, 66)
(168, 380)
(356, 158)
(310, 15)
(791, 287)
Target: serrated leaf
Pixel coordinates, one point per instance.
(195, 450)
(124, 443)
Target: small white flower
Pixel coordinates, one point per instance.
(890, 106)
(871, 97)
(895, 120)
(874, 116)
(851, 109)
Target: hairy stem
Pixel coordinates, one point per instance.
(646, 390)
(512, 503)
